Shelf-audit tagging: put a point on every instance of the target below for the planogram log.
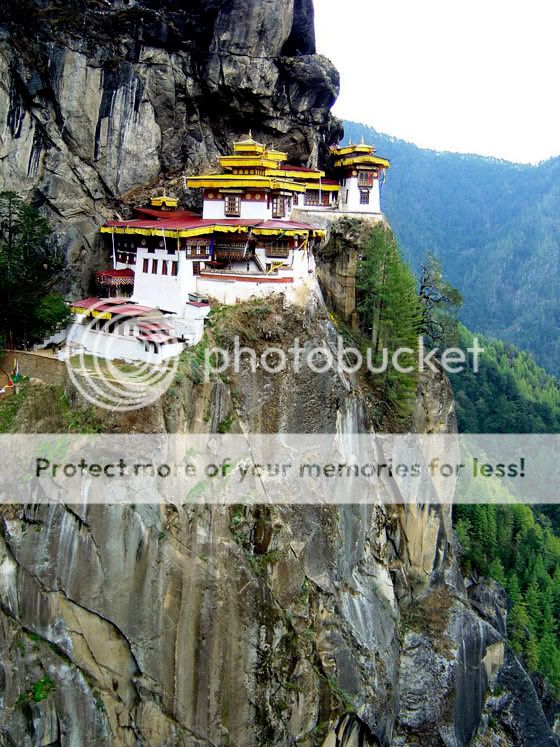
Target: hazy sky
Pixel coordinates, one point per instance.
(478, 76)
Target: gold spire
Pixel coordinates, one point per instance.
(362, 141)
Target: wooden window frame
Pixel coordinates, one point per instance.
(278, 250)
(365, 179)
(277, 202)
(233, 212)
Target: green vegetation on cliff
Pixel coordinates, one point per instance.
(391, 316)
(519, 549)
(29, 265)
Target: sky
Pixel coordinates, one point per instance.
(476, 76)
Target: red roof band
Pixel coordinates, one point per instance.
(128, 273)
(180, 224)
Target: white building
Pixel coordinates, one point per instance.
(360, 173)
(167, 263)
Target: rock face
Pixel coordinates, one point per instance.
(98, 98)
(205, 626)
(183, 625)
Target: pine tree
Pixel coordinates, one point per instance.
(532, 601)
(28, 267)
(391, 314)
(532, 653)
(518, 622)
(496, 571)
(439, 301)
(549, 660)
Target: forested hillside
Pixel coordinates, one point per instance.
(510, 393)
(496, 228)
(517, 545)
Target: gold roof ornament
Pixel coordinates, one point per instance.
(164, 201)
(248, 145)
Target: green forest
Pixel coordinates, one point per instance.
(517, 545)
(509, 394)
(495, 227)
(519, 548)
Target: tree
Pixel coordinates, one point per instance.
(496, 571)
(518, 622)
(391, 315)
(549, 660)
(439, 301)
(29, 266)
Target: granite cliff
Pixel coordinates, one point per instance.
(185, 625)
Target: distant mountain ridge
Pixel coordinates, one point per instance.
(494, 224)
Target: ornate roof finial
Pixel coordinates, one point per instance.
(350, 141)
(362, 141)
(250, 134)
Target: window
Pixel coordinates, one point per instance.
(174, 268)
(278, 207)
(145, 266)
(164, 267)
(278, 249)
(170, 251)
(365, 179)
(296, 198)
(154, 266)
(312, 198)
(233, 205)
(196, 268)
(364, 197)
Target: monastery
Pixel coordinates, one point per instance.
(168, 263)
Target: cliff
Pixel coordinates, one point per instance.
(193, 625)
(99, 98)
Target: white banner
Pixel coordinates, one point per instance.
(279, 468)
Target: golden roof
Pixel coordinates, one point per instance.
(363, 160)
(257, 181)
(164, 201)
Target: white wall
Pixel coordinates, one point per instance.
(115, 346)
(353, 204)
(302, 273)
(249, 209)
(165, 292)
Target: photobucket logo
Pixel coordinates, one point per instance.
(340, 358)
